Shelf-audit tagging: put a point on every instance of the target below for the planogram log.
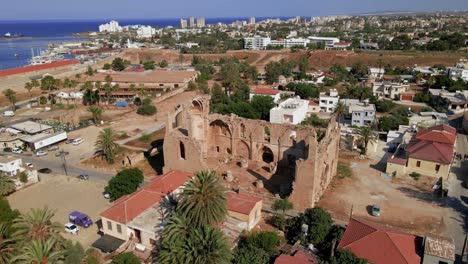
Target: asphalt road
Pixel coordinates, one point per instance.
(57, 166)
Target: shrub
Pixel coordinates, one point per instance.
(415, 176)
(145, 138)
(146, 110)
(278, 221)
(125, 182)
(319, 222)
(23, 177)
(43, 100)
(126, 258)
(146, 101)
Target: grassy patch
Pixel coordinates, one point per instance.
(145, 138)
(343, 170)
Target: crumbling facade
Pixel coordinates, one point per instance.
(193, 136)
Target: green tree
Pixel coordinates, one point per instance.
(7, 247)
(282, 205)
(89, 71)
(148, 65)
(11, 96)
(163, 64)
(319, 224)
(147, 109)
(96, 112)
(241, 109)
(7, 185)
(359, 69)
(125, 182)
(346, 257)
(250, 255)
(304, 90)
(339, 111)
(263, 105)
(7, 215)
(125, 258)
(74, 252)
(39, 251)
(37, 224)
(315, 121)
(48, 84)
(367, 135)
(203, 201)
(106, 141)
(118, 64)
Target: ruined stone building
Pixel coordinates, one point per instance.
(196, 140)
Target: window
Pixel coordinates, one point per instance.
(418, 163)
(182, 150)
(437, 167)
(119, 229)
(109, 225)
(161, 85)
(176, 85)
(442, 262)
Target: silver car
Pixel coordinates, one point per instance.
(375, 210)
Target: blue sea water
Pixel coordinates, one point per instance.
(40, 33)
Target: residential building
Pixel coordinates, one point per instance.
(183, 23)
(10, 165)
(328, 101)
(338, 46)
(381, 244)
(389, 89)
(245, 208)
(266, 91)
(325, 40)
(191, 22)
(314, 107)
(290, 42)
(252, 21)
(42, 140)
(428, 119)
(376, 73)
(459, 71)
(297, 257)
(256, 43)
(201, 22)
(111, 27)
(321, 78)
(456, 102)
(429, 153)
(11, 138)
(146, 32)
(291, 111)
(32, 128)
(362, 114)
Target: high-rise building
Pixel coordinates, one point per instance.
(201, 22)
(183, 23)
(191, 22)
(252, 21)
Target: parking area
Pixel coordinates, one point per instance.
(65, 194)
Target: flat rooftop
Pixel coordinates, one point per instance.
(30, 127)
(292, 105)
(39, 137)
(361, 107)
(156, 76)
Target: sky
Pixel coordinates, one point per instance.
(153, 9)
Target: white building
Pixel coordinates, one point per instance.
(291, 111)
(10, 165)
(252, 21)
(146, 32)
(327, 41)
(111, 27)
(256, 43)
(186, 45)
(328, 101)
(362, 114)
(376, 72)
(388, 89)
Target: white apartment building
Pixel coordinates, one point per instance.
(327, 41)
(10, 165)
(256, 43)
(456, 73)
(388, 89)
(292, 111)
(111, 27)
(146, 32)
(328, 101)
(376, 72)
(362, 114)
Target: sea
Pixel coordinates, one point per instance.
(39, 33)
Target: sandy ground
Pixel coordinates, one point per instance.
(65, 194)
(405, 203)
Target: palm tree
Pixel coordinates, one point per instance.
(6, 245)
(367, 135)
(37, 225)
(7, 185)
(339, 111)
(29, 86)
(96, 112)
(39, 252)
(11, 96)
(106, 142)
(203, 200)
(431, 81)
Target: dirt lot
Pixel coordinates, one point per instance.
(65, 194)
(405, 203)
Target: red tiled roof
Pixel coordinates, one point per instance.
(126, 208)
(300, 257)
(265, 91)
(343, 43)
(395, 160)
(241, 203)
(380, 245)
(325, 74)
(441, 133)
(39, 67)
(430, 151)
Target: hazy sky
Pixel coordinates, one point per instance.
(92, 9)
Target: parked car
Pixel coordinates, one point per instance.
(17, 150)
(29, 165)
(375, 210)
(7, 150)
(41, 153)
(77, 141)
(69, 141)
(8, 113)
(45, 170)
(106, 195)
(52, 148)
(80, 219)
(84, 176)
(61, 153)
(71, 228)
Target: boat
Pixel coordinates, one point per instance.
(16, 55)
(7, 35)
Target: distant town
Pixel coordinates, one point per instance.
(338, 139)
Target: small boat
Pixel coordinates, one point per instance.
(7, 35)
(16, 55)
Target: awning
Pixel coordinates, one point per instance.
(108, 244)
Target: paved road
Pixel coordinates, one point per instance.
(56, 165)
(456, 221)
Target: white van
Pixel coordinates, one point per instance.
(8, 113)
